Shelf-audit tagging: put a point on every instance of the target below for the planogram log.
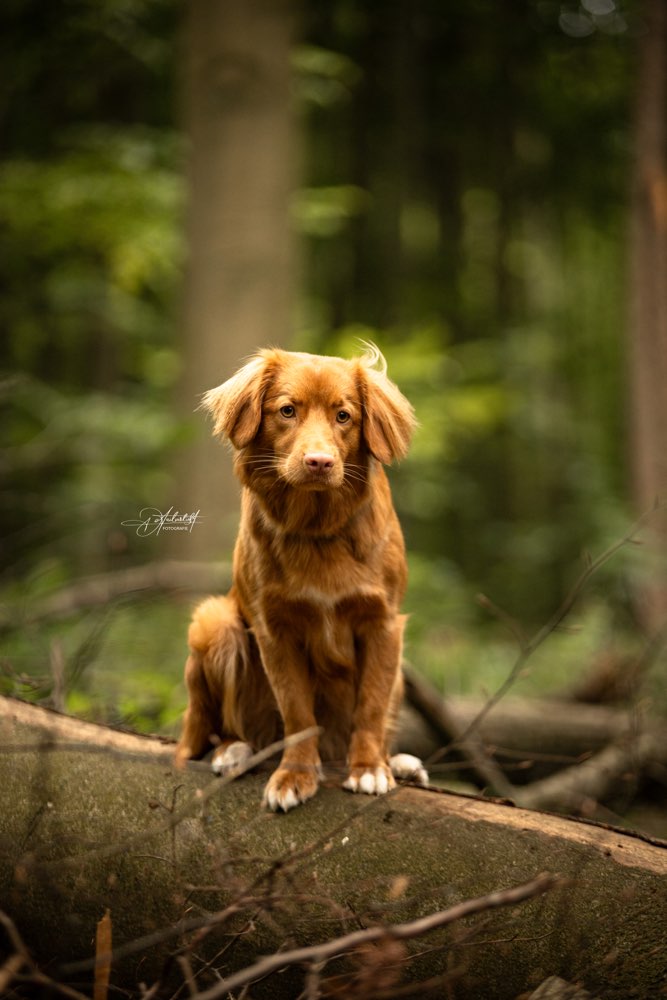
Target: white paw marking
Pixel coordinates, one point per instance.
(281, 801)
(281, 795)
(367, 783)
(406, 767)
(232, 759)
(376, 782)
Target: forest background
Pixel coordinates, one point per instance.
(460, 183)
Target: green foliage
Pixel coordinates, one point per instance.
(325, 211)
(95, 233)
(323, 78)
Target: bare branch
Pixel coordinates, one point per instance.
(11, 970)
(592, 780)
(316, 954)
(433, 708)
(165, 576)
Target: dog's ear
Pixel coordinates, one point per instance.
(236, 405)
(389, 419)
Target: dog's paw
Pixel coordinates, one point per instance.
(406, 767)
(290, 786)
(370, 780)
(231, 759)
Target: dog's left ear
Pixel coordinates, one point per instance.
(389, 419)
(236, 405)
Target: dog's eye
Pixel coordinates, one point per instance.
(288, 412)
(342, 416)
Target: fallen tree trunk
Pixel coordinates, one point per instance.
(552, 733)
(199, 882)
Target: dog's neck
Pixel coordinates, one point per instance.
(310, 515)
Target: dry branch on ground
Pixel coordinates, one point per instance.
(592, 752)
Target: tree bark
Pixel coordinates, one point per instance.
(648, 301)
(238, 294)
(200, 881)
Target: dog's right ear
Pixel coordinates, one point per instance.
(236, 405)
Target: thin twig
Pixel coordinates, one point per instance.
(397, 932)
(23, 960)
(434, 710)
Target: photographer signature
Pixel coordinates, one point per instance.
(152, 521)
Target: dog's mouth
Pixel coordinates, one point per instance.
(311, 480)
(314, 471)
(320, 480)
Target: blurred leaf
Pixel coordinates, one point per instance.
(325, 211)
(323, 78)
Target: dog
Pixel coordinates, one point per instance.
(310, 634)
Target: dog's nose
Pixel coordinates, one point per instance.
(318, 461)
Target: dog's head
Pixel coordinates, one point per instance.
(312, 420)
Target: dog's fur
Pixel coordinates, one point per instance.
(310, 633)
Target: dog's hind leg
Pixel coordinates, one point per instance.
(219, 654)
(199, 723)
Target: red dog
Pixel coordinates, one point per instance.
(310, 633)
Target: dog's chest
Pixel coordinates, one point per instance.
(331, 587)
(322, 594)
(326, 600)
(326, 570)
(326, 624)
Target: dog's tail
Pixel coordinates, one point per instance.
(218, 653)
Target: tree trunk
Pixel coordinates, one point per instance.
(238, 294)
(200, 882)
(648, 300)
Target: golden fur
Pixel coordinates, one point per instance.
(310, 633)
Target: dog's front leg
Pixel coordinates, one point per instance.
(297, 777)
(377, 703)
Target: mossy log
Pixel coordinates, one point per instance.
(199, 881)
